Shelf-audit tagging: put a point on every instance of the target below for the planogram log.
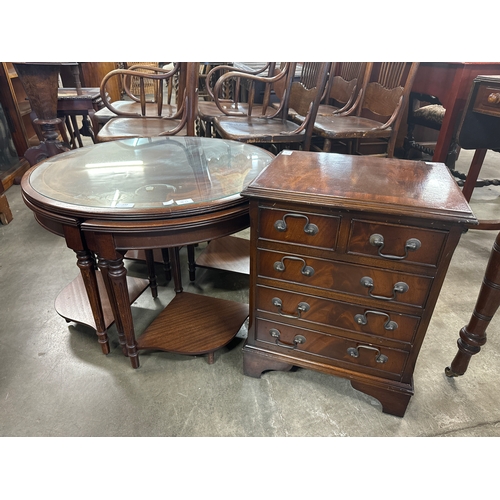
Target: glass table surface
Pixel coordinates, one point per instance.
(149, 173)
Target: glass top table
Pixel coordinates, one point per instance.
(149, 175)
(144, 194)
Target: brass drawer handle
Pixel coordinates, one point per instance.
(354, 352)
(298, 339)
(301, 307)
(399, 287)
(494, 98)
(377, 240)
(306, 270)
(309, 228)
(361, 319)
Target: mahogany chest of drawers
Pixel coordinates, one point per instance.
(348, 256)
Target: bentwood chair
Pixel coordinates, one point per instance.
(229, 95)
(274, 131)
(129, 89)
(156, 117)
(377, 115)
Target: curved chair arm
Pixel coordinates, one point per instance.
(127, 78)
(127, 73)
(229, 68)
(183, 121)
(268, 80)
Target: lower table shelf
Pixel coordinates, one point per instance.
(72, 302)
(230, 253)
(194, 324)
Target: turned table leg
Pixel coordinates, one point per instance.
(103, 266)
(117, 275)
(86, 264)
(473, 336)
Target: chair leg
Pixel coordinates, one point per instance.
(5, 212)
(191, 262)
(150, 261)
(166, 264)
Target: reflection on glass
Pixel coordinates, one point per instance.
(151, 172)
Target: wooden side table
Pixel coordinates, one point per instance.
(144, 194)
(84, 102)
(480, 130)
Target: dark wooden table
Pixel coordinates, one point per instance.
(480, 130)
(145, 194)
(451, 83)
(84, 102)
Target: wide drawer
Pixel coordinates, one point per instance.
(303, 228)
(382, 285)
(317, 312)
(398, 243)
(297, 341)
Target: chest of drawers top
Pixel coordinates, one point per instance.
(366, 184)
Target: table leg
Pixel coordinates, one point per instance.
(452, 114)
(473, 336)
(473, 174)
(86, 263)
(76, 130)
(103, 266)
(117, 275)
(173, 253)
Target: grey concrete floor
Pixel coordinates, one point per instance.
(54, 380)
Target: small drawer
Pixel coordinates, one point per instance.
(303, 228)
(296, 341)
(383, 286)
(487, 99)
(396, 243)
(325, 314)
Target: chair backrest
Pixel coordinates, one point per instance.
(386, 95)
(187, 99)
(229, 91)
(295, 85)
(344, 83)
(309, 89)
(387, 91)
(279, 77)
(141, 78)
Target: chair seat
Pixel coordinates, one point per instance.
(105, 114)
(128, 128)
(431, 116)
(326, 110)
(349, 127)
(256, 129)
(208, 110)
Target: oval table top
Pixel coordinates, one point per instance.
(146, 177)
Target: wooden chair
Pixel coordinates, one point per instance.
(139, 117)
(229, 96)
(426, 111)
(344, 83)
(274, 130)
(377, 114)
